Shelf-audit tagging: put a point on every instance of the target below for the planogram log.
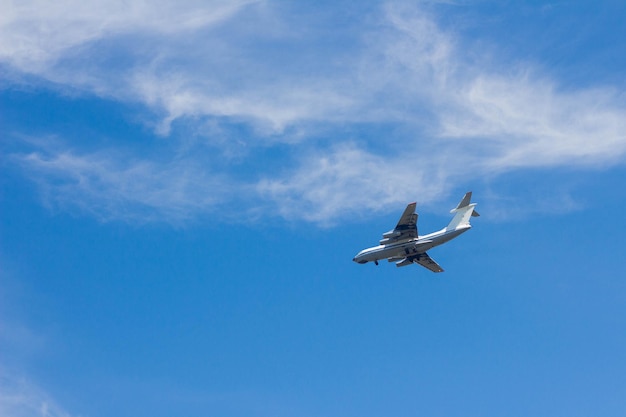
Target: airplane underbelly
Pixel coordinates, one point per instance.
(405, 250)
(383, 253)
(400, 251)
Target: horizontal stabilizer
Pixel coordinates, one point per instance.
(462, 213)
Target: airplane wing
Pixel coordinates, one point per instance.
(405, 229)
(422, 259)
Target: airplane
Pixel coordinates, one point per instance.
(404, 246)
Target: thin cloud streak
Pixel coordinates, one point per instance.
(20, 398)
(535, 125)
(270, 108)
(465, 114)
(515, 117)
(36, 33)
(348, 181)
(111, 185)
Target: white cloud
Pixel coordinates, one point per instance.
(484, 121)
(507, 118)
(112, 185)
(21, 398)
(348, 181)
(459, 113)
(35, 33)
(271, 108)
(531, 123)
(172, 57)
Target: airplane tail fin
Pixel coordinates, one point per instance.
(463, 212)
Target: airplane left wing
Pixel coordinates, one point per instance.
(422, 259)
(405, 229)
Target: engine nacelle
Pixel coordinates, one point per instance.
(392, 233)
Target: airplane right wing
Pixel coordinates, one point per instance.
(422, 259)
(405, 229)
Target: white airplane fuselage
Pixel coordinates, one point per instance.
(400, 250)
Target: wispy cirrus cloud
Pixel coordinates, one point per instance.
(457, 113)
(471, 119)
(36, 34)
(530, 123)
(21, 398)
(111, 184)
(512, 116)
(346, 180)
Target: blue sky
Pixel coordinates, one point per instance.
(184, 185)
